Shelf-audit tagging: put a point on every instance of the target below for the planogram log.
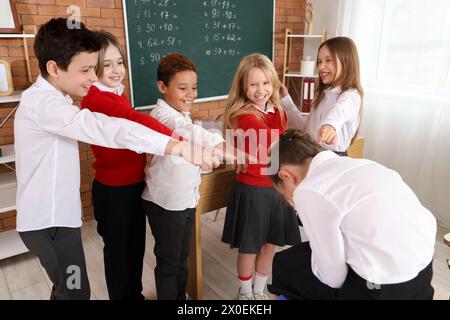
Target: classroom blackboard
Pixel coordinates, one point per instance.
(214, 34)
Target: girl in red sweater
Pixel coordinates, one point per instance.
(257, 219)
(119, 174)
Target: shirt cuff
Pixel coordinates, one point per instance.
(335, 124)
(160, 145)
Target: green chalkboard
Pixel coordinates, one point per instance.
(214, 34)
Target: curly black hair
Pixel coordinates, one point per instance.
(173, 63)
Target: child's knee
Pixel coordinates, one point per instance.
(268, 248)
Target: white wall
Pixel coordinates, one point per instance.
(325, 18)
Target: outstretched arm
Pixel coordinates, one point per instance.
(295, 116)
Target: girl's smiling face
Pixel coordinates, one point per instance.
(259, 88)
(328, 67)
(113, 68)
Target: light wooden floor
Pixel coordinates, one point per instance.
(22, 277)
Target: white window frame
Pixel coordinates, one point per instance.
(372, 73)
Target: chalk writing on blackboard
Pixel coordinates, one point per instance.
(215, 34)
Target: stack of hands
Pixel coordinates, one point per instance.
(208, 158)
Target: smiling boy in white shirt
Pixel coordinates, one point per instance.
(172, 185)
(47, 127)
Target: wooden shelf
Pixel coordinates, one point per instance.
(12, 244)
(8, 154)
(299, 75)
(289, 36)
(29, 31)
(315, 36)
(15, 97)
(8, 189)
(16, 35)
(8, 181)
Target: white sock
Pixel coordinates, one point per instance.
(246, 284)
(260, 283)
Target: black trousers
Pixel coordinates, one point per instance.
(341, 153)
(60, 252)
(173, 232)
(292, 277)
(121, 223)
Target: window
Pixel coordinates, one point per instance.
(404, 44)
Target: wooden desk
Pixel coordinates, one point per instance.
(356, 149)
(215, 190)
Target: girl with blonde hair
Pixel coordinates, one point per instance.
(257, 219)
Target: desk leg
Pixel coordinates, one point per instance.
(194, 286)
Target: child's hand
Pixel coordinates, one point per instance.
(327, 134)
(225, 153)
(205, 158)
(283, 91)
(210, 159)
(238, 158)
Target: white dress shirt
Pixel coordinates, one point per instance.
(117, 90)
(359, 213)
(269, 108)
(171, 182)
(341, 112)
(47, 127)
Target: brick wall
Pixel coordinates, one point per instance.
(108, 15)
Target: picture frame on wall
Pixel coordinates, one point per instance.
(9, 20)
(6, 82)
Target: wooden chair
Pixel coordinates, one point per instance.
(356, 150)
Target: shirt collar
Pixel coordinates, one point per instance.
(270, 108)
(117, 90)
(42, 83)
(163, 103)
(335, 90)
(319, 159)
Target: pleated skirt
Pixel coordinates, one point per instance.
(256, 216)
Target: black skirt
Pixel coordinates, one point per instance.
(256, 216)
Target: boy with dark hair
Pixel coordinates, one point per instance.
(58, 43)
(47, 127)
(172, 188)
(369, 236)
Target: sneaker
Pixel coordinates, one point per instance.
(260, 296)
(245, 296)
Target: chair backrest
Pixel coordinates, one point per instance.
(447, 240)
(356, 149)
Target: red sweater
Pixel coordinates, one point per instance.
(262, 129)
(118, 167)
